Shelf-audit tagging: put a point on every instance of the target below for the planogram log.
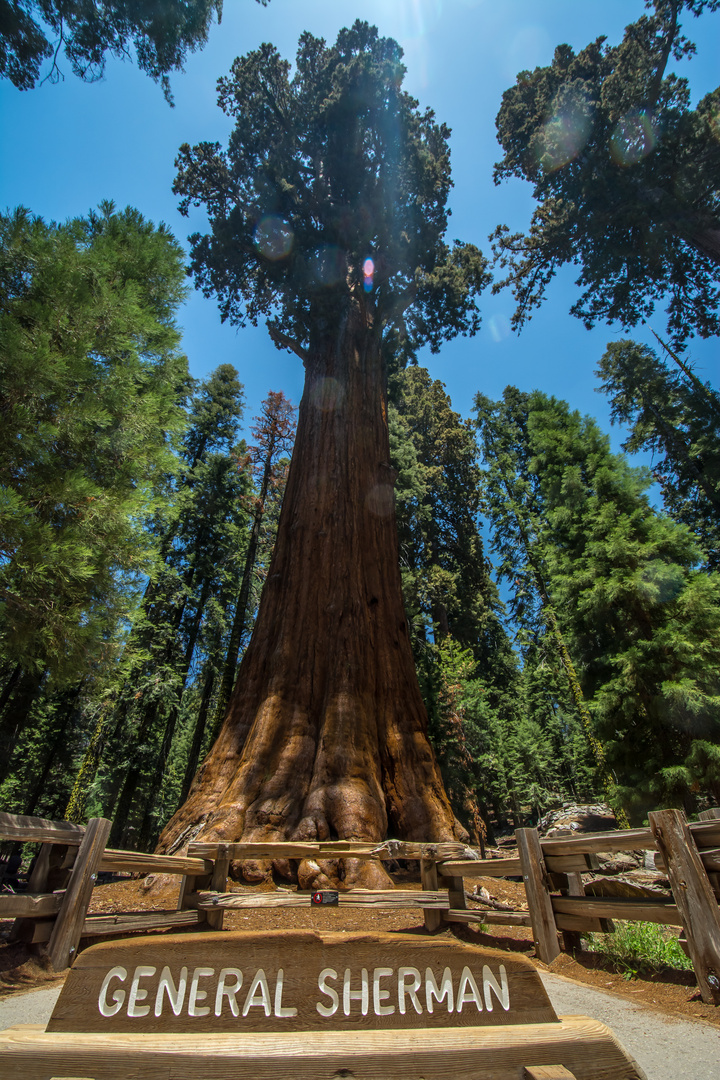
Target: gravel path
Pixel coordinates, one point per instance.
(665, 1047)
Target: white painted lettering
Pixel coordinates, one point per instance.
(381, 995)
(176, 995)
(468, 991)
(363, 995)
(136, 994)
(327, 1010)
(439, 993)
(196, 995)
(118, 995)
(258, 983)
(230, 992)
(279, 1010)
(490, 986)
(405, 973)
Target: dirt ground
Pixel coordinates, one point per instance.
(669, 991)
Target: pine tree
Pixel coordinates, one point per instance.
(640, 623)
(92, 384)
(677, 417)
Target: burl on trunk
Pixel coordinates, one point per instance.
(326, 732)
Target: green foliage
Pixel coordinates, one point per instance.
(625, 175)
(91, 385)
(640, 623)
(637, 946)
(324, 170)
(677, 418)
(33, 31)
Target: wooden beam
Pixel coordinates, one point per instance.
(617, 840)
(38, 931)
(330, 849)
(39, 830)
(577, 863)
(615, 907)
(481, 868)
(137, 862)
(695, 899)
(711, 814)
(29, 905)
(65, 938)
(538, 896)
(491, 918)
(711, 859)
(384, 898)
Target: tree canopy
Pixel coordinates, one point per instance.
(334, 184)
(625, 174)
(33, 31)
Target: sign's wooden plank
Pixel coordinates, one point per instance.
(289, 981)
(538, 897)
(137, 862)
(381, 898)
(29, 905)
(547, 1072)
(586, 1047)
(481, 868)
(695, 899)
(65, 937)
(39, 830)
(659, 911)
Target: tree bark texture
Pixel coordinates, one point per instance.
(326, 732)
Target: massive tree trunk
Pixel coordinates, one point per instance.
(326, 732)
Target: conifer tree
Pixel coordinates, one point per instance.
(640, 624)
(328, 213)
(625, 176)
(677, 418)
(92, 383)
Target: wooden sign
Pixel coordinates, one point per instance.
(311, 1005)
(285, 981)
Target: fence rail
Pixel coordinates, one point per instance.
(551, 869)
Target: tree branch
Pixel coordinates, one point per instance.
(282, 341)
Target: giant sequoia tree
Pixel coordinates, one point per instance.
(625, 175)
(328, 212)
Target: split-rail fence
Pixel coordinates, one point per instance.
(551, 869)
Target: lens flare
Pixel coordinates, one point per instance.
(634, 138)
(368, 274)
(499, 328)
(273, 237)
(565, 134)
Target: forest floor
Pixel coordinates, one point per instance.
(669, 991)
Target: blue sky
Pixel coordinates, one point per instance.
(68, 146)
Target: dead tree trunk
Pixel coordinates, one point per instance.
(326, 731)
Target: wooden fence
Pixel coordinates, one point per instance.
(550, 868)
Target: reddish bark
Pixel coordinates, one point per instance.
(326, 732)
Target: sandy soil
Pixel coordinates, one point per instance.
(669, 991)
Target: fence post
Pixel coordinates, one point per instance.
(429, 880)
(534, 875)
(66, 933)
(218, 883)
(694, 897)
